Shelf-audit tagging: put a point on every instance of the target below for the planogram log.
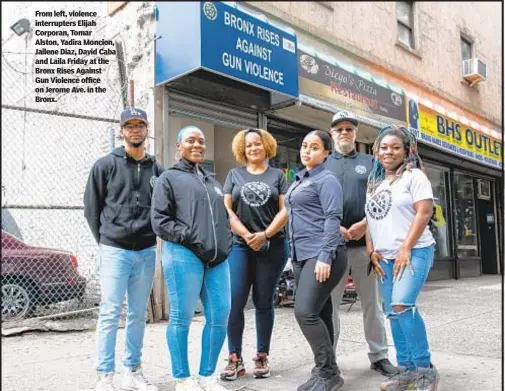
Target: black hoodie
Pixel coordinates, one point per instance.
(188, 209)
(117, 200)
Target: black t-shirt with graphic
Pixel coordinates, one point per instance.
(256, 198)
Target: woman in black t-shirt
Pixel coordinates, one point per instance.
(254, 198)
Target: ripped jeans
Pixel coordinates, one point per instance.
(407, 327)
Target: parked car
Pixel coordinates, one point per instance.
(34, 276)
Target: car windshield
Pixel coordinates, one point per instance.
(9, 225)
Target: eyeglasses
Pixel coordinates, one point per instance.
(138, 126)
(341, 130)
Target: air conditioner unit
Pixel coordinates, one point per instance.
(474, 71)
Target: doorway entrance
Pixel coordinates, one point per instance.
(487, 226)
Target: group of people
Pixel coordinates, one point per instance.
(345, 212)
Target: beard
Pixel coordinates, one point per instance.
(135, 144)
(346, 147)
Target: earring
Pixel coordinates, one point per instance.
(177, 156)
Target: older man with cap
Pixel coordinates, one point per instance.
(117, 206)
(352, 169)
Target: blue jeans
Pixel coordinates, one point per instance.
(187, 280)
(123, 271)
(407, 327)
(262, 270)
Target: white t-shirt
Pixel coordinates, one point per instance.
(390, 212)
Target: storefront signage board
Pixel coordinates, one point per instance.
(332, 84)
(225, 40)
(445, 133)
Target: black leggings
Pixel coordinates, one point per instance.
(313, 309)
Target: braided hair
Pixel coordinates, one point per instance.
(378, 174)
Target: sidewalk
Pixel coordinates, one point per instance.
(463, 319)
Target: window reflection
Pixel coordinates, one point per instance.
(466, 225)
(288, 154)
(438, 223)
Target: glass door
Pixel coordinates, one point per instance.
(439, 223)
(467, 243)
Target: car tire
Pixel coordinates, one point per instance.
(19, 299)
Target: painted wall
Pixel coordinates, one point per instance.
(365, 32)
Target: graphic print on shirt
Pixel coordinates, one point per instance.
(255, 194)
(379, 205)
(360, 169)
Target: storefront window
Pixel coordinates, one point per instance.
(466, 225)
(288, 153)
(288, 161)
(438, 223)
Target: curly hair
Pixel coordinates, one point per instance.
(238, 144)
(378, 174)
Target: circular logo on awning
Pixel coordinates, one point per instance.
(210, 10)
(309, 64)
(396, 99)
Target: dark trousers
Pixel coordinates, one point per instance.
(313, 309)
(262, 271)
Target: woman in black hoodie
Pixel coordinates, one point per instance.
(188, 213)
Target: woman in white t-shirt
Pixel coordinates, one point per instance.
(401, 250)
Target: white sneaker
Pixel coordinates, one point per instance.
(188, 384)
(210, 383)
(105, 382)
(136, 381)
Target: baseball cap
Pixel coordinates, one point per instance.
(344, 116)
(133, 113)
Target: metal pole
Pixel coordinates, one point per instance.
(132, 94)
(165, 128)
(262, 121)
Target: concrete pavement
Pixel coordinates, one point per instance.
(463, 319)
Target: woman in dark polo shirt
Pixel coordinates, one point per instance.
(314, 205)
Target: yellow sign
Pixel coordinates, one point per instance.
(457, 138)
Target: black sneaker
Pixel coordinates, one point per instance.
(384, 367)
(307, 386)
(333, 383)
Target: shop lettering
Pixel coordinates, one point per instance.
(268, 36)
(473, 139)
(254, 49)
(238, 23)
(256, 70)
(264, 73)
(245, 26)
(482, 142)
(232, 61)
(448, 128)
(362, 86)
(334, 74)
(352, 95)
(343, 79)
